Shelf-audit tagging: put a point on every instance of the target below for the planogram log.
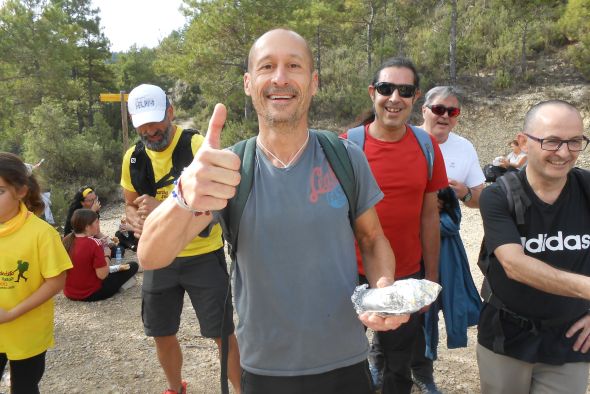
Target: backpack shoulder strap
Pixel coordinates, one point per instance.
(339, 160)
(518, 201)
(425, 143)
(141, 171)
(357, 135)
(246, 150)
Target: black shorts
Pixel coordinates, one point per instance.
(204, 278)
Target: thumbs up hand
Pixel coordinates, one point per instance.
(211, 179)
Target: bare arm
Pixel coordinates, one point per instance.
(520, 162)
(103, 271)
(541, 276)
(207, 184)
(475, 193)
(49, 288)
(378, 258)
(430, 235)
(166, 232)
(460, 190)
(379, 264)
(133, 220)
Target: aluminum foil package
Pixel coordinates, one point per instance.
(402, 297)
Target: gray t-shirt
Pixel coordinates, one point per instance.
(296, 267)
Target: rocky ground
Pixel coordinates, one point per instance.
(100, 347)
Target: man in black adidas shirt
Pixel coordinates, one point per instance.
(534, 332)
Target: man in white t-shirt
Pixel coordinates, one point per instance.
(440, 111)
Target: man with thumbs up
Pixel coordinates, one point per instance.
(296, 264)
(149, 169)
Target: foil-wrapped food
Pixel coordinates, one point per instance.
(402, 297)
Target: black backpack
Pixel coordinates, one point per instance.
(142, 172)
(518, 203)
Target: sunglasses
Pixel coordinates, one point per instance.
(439, 110)
(387, 89)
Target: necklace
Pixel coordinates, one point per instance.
(285, 165)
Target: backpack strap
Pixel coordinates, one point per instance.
(337, 157)
(425, 142)
(141, 171)
(182, 156)
(518, 201)
(246, 151)
(339, 160)
(357, 135)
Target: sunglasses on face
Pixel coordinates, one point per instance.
(439, 110)
(387, 89)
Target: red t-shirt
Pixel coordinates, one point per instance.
(87, 255)
(401, 171)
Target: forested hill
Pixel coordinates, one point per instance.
(55, 60)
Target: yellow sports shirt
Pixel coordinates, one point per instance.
(162, 163)
(27, 256)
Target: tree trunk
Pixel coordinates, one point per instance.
(523, 49)
(90, 94)
(383, 30)
(370, 36)
(319, 57)
(453, 44)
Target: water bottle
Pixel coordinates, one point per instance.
(118, 255)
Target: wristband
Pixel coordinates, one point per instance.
(181, 202)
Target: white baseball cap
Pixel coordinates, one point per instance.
(147, 104)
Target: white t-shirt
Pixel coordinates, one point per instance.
(513, 158)
(461, 161)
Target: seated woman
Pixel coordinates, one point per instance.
(515, 160)
(90, 279)
(85, 197)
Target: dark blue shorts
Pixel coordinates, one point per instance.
(204, 278)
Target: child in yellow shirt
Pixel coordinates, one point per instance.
(33, 265)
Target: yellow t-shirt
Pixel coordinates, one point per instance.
(162, 163)
(27, 256)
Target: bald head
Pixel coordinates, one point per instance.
(278, 34)
(540, 113)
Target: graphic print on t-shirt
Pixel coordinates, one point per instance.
(324, 181)
(558, 242)
(7, 279)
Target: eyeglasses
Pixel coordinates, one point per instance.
(553, 144)
(387, 89)
(439, 110)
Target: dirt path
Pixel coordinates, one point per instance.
(101, 348)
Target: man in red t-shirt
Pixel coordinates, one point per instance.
(409, 212)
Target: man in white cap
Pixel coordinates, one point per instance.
(149, 171)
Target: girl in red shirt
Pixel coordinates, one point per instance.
(90, 279)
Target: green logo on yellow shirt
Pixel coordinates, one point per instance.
(22, 267)
(7, 279)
